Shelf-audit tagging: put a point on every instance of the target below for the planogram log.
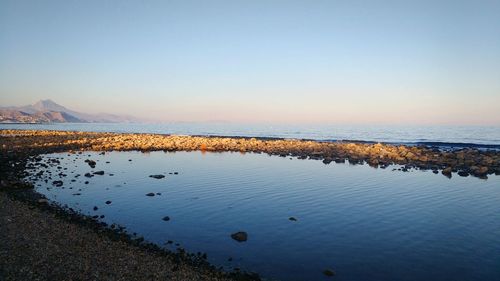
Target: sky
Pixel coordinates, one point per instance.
(347, 62)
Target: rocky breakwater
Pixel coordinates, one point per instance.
(463, 162)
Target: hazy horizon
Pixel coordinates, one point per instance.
(336, 62)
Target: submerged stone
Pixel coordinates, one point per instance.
(240, 236)
(328, 272)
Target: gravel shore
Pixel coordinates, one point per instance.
(36, 244)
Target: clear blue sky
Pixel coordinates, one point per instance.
(418, 62)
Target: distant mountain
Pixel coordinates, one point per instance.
(47, 111)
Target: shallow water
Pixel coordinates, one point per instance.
(435, 135)
(362, 222)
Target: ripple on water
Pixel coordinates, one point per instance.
(364, 223)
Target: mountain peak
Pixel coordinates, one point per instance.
(48, 105)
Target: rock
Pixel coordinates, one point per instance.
(292, 218)
(43, 201)
(327, 160)
(108, 202)
(151, 194)
(157, 176)
(329, 272)
(57, 183)
(88, 175)
(95, 208)
(99, 173)
(446, 172)
(463, 173)
(86, 182)
(240, 236)
(166, 218)
(479, 171)
(91, 163)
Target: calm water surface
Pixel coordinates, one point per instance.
(364, 223)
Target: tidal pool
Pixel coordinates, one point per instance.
(361, 222)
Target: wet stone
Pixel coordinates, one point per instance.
(240, 236)
(57, 183)
(328, 272)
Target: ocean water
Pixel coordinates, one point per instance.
(363, 223)
(485, 136)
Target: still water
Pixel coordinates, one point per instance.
(363, 223)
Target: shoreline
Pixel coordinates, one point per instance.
(17, 147)
(421, 142)
(464, 162)
(92, 249)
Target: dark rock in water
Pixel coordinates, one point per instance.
(158, 193)
(95, 208)
(108, 202)
(86, 182)
(157, 176)
(77, 194)
(329, 272)
(91, 163)
(435, 171)
(88, 175)
(130, 160)
(166, 218)
(463, 173)
(99, 173)
(57, 183)
(176, 173)
(240, 236)
(150, 194)
(447, 172)
(292, 218)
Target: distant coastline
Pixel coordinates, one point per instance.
(479, 137)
